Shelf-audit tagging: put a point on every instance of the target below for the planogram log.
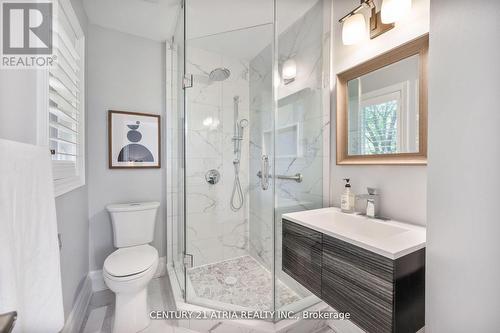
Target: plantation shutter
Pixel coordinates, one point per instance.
(65, 99)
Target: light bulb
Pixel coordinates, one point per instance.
(207, 122)
(289, 71)
(354, 29)
(394, 10)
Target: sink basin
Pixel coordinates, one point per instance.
(391, 239)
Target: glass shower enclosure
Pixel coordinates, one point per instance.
(247, 141)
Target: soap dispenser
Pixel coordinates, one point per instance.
(347, 199)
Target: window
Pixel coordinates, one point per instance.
(381, 116)
(379, 125)
(62, 109)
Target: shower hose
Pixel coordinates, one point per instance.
(237, 197)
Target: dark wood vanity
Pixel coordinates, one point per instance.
(381, 294)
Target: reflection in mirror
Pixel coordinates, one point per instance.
(383, 110)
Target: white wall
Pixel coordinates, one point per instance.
(125, 73)
(402, 188)
(73, 225)
(463, 229)
(18, 105)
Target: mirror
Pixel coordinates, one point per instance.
(382, 108)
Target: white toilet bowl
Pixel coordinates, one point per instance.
(127, 272)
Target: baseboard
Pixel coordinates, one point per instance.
(77, 314)
(162, 267)
(98, 280)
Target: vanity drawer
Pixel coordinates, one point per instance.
(365, 281)
(301, 258)
(360, 282)
(366, 309)
(368, 261)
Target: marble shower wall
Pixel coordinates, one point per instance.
(214, 231)
(302, 123)
(261, 203)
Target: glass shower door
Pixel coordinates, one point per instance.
(302, 124)
(228, 157)
(253, 144)
(174, 52)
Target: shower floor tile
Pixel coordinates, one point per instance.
(240, 281)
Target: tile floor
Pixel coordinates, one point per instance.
(240, 281)
(99, 316)
(100, 313)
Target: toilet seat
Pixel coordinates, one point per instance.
(130, 262)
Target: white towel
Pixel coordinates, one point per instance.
(30, 275)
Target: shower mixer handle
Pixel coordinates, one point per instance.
(212, 176)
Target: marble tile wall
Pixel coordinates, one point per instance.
(214, 231)
(261, 204)
(300, 104)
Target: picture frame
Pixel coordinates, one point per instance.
(134, 140)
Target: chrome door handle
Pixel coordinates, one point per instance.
(264, 169)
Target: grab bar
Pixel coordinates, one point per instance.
(297, 177)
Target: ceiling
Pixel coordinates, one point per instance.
(237, 28)
(235, 44)
(152, 19)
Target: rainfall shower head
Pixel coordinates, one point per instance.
(219, 74)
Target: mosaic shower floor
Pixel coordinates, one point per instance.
(240, 281)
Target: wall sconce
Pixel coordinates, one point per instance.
(394, 10)
(289, 71)
(354, 25)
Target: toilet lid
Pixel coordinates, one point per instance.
(130, 260)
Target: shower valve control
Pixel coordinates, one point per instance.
(212, 176)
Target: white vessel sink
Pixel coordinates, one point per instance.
(390, 239)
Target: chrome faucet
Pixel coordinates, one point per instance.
(371, 202)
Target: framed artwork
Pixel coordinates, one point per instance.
(133, 140)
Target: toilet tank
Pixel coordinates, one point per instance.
(133, 223)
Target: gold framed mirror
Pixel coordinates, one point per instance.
(382, 108)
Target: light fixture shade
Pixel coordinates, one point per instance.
(394, 10)
(354, 29)
(289, 71)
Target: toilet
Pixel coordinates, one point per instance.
(128, 270)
